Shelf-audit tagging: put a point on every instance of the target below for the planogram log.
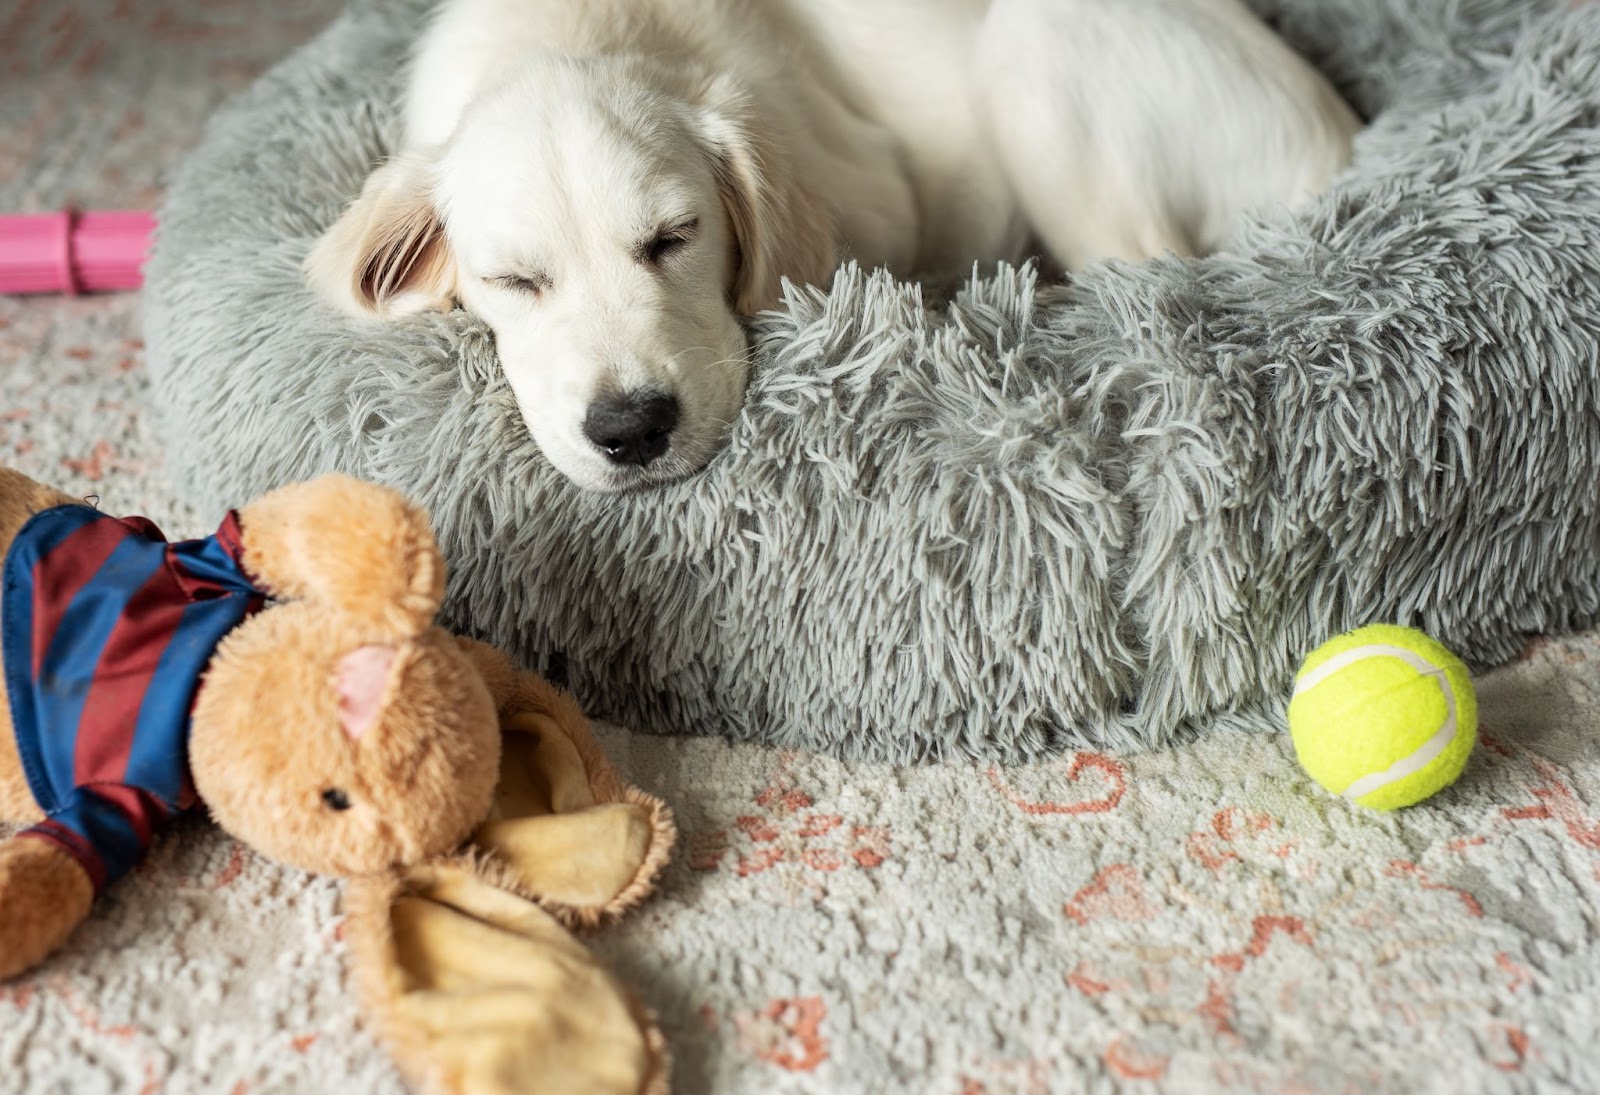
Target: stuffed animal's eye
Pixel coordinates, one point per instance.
(335, 799)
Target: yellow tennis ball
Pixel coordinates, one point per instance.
(1384, 716)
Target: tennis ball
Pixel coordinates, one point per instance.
(1384, 716)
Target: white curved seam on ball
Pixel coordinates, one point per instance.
(1424, 754)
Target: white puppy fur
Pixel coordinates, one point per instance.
(612, 184)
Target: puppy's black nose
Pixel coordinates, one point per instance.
(632, 428)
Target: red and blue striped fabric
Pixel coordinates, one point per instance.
(105, 629)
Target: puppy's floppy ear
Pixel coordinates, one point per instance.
(387, 255)
(780, 226)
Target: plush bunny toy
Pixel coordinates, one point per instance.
(286, 672)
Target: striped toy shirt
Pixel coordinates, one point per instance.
(105, 629)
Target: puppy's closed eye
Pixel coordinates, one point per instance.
(661, 246)
(533, 284)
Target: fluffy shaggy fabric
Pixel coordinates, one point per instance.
(1017, 518)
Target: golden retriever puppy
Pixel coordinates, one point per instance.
(612, 184)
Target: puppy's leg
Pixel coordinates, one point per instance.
(1132, 128)
(1050, 115)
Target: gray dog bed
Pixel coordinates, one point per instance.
(1010, 519)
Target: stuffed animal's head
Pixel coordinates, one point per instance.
(338, 730)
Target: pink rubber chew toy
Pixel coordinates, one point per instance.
(74, 253)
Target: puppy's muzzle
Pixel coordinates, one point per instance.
(633, 428)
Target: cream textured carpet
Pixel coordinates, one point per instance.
(1190, 920)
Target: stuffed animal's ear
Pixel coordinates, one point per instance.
(361, 682)
(476, 987)
(780, 227)
(560, 803)
(350, 546)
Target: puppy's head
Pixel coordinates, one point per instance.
(610, 221)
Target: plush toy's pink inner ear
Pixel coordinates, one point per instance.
(359, 682)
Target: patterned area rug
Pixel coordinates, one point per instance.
(1196, 919)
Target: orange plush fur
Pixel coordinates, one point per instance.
(463, 964)
(20, 499)
(356, 579)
